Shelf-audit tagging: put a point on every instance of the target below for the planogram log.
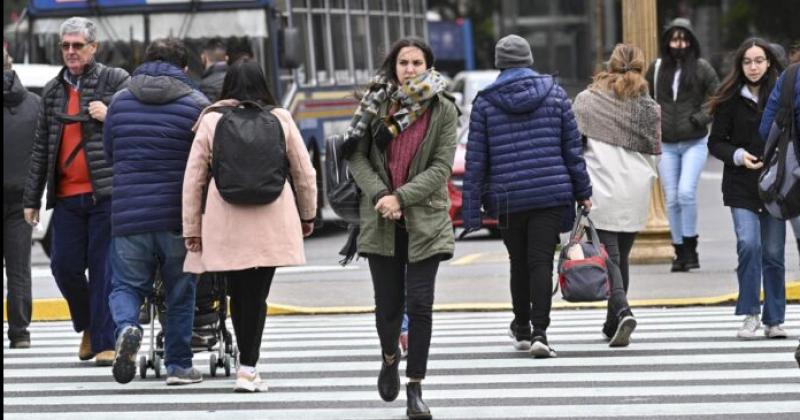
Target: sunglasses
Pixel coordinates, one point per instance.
(77, 46)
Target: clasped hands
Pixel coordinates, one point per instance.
(388, 207)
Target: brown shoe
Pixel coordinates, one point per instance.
(105, 358)
(85, 350)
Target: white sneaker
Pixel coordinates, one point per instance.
(774, 331)
(749, 328)
(246, 382)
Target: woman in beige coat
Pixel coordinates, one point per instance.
(246, 242)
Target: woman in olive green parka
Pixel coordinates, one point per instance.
(406, 131)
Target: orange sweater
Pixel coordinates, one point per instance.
(74, 178)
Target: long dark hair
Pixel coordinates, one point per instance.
(389, 65)
(732, 83)
(245, 81)
(688, 65)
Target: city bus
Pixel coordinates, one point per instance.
(316, 53)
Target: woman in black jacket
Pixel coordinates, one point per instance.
(681, 83)
(737, 108)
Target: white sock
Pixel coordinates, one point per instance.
(250, 370)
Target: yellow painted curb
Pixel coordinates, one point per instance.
(57, 309)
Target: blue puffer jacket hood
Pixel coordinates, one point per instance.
(519, 90)
(524, 150)
(147, 137)
(159, 82)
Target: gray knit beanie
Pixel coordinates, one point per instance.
(512, 51)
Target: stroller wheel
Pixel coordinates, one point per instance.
(212, 364)
(157, 365)
(143, 366)
(226, 362)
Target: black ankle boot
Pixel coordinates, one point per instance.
(389, 379)
(417, 409)
(690, 248)
(679, 260)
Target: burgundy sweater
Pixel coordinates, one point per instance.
(404, 147)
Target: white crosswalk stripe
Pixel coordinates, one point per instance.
(682, 363)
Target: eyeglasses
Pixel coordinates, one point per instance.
(77, 46)
(758, 61)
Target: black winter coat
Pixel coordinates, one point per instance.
(20, 110)
(736, 126)
(46, 144)
(685, 118)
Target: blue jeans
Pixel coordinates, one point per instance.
(679, 170)
(134, 259)
(81, 235)
(760, 242)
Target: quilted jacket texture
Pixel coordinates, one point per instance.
(148, 136)
(46, 143)
(524, 149)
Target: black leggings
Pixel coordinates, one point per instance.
(248, 290)
(396, 281)
(618, 245)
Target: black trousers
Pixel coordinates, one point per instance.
(17, 256)
(618, 245)
(531, 237)
(248, 290)
(396, 281)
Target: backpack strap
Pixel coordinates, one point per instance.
(786, 100)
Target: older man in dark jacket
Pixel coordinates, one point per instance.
(149, 161)
(68, 157)
(20, 109)
(524, 163)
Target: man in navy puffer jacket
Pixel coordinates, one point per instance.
(524, 165)
(147, 138)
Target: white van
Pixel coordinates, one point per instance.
(34, 77)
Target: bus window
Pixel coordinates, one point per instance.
(379, 45)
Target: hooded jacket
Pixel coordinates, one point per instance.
(684, 118)
(47, 141)
(147, 137)
(20, 109)
(524, 150)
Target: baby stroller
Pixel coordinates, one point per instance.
(209, 332)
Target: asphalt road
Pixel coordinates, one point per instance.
(478, 273)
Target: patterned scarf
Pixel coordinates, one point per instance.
(413, 97)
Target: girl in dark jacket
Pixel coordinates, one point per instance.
(737, 108)
(405, 131)
(682, 82)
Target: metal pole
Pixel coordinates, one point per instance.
(639, 27)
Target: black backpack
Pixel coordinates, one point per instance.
(248, 161)
(342, 192)
(779, 182)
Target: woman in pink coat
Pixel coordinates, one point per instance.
(246, 242)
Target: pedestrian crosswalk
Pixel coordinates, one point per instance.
(683, 362)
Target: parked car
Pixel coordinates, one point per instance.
(455, 186)
(34, 77)
(465, 88)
